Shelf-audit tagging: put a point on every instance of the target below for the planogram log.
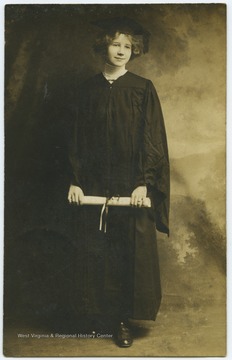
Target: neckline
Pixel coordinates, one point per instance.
(116, 80)
(111, 71)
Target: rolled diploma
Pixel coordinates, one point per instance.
(114, 201)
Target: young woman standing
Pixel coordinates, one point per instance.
(119, 148)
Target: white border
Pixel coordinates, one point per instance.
(229, 147)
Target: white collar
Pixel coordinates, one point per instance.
(113, 72)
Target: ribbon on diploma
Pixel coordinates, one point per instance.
(106, 202)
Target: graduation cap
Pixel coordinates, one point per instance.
(124, 24)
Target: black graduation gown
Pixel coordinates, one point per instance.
(120, 143)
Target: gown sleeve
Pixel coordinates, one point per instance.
(155, 160)
(75, 150)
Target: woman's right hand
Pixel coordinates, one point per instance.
(75, 195)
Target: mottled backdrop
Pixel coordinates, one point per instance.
(48, 52)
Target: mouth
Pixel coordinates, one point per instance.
(119, 58)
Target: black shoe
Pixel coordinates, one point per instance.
(123, 335)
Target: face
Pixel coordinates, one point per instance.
(119, 51)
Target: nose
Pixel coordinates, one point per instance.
(120, 51)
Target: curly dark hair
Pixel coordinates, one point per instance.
(105, 39)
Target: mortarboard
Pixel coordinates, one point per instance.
(126, 24)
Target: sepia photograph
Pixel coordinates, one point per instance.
(115, 180)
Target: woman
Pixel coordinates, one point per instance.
(119, 149)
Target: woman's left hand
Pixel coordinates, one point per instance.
(138, 196)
